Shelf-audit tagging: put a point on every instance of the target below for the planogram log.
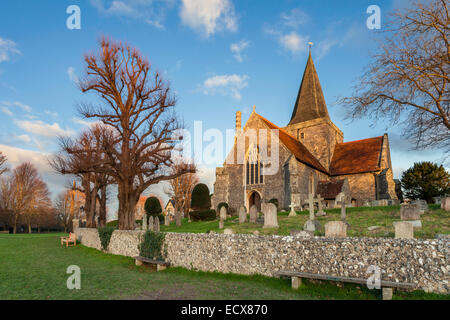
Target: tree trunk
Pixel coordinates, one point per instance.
(15, 224)
(127, 204)
(178, 218)
(102, 213)
(29, 228)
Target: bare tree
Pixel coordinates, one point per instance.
(138, 105)
(408, 79)
(66, 206)
(3, 167)
(180, 188)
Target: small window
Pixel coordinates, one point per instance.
(302, 135)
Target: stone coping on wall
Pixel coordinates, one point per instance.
(421, 261)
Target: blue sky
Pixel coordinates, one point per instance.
(219, 55)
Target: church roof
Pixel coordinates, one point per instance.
(329, 189)
(310, 103)
(357, 156)
(300, 152)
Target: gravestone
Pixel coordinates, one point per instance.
(151, 225)
(320, 213)
(270, 216)
(422, 205)
(336, 229)
(228, 231)
(223, 213)
(178, 219)
(445, 203)
(221, 224)
(144, 222)
(253, 214)
(343, 211)
(300, 234)
(156, 224)
(409, 212)
(242, 215)
(312, 224)
(404, 230)
(167, 220)
(292, 213)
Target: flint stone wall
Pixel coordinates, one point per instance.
(424, 262)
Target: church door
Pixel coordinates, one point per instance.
(255, 199)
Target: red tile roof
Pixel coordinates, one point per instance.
(329, 189)
(296, 147)
(357, 156)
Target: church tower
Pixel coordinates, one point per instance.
(310, 122)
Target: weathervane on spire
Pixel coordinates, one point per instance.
(310, 45)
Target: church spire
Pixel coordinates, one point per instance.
(310, 103)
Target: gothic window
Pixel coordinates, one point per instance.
(253, 167)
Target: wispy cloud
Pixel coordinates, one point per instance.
(72, 75)
(209, 16)
(43, 129)
(8, 49)
(237, 48)
(151, 12)
(294, 18)
(228, 85)
(8, 106)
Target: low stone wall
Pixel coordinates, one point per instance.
(424, 262)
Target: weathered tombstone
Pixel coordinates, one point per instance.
(409, 212)
(404, 230)
(228, 231)
(343, 211)
(156, 224)
(336, 229)
(445, 203)
(270, 216)
(292, 213)
(242, 215)
(221, 224)
(167, 220)
(223, 213)
(151, 224)
(253, 214)
(144, 222)
(300, 234)
(320, 213)
(312, 224)
(422, 205)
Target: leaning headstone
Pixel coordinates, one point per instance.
(242, 215)
(144, 222)
(421, 204)
(156, 224)
(228, 231)
(409, 212)
(223, 213)
(151, 225)
(270, 216)
(253, 214)
(301, 234)
(404, 230)
(445, 203)
(167, 220)
(311, 225)
(221, 224)
(320, 213)
(336, 229)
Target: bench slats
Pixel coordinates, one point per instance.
(151, 261)
(389, 284)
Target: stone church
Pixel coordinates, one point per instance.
(313, 159)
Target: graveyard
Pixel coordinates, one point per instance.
(363, 221)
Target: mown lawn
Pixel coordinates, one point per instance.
(34, 267)
(434, 221)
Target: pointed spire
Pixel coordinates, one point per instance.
(310, 103)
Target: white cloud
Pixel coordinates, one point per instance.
(7, 106)
(85, 123)
(50, 113)
(72, 75)
(43, 129)
(8, 48)
(293, 42)
(5, 110)
(208, 16)
(152, 12)
(237, 48)
(226, 85)
(294, 18)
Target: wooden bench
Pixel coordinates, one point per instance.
(160, 265)
(386, 286)
(72, 238)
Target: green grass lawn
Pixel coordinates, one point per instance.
(34, 267)
(434, 221)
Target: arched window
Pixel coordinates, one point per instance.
(253, 167)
